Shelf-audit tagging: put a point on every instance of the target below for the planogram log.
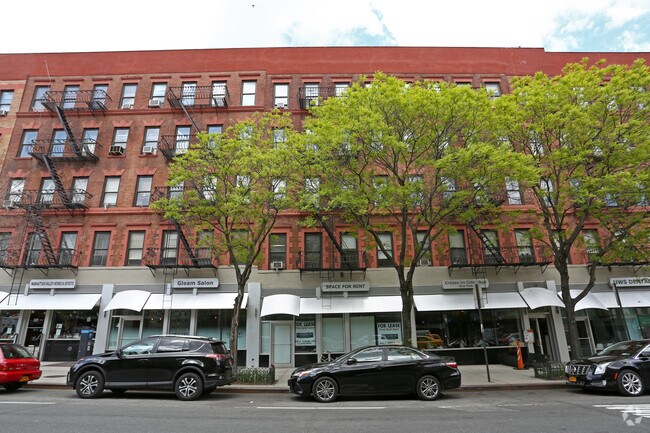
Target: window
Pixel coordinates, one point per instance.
(448, 188)
(278, 249)
(281, 96)
(143, 190)
(279, 189)
(27, 143)
(386, 240)
(111, 187)
(39, 97)
(67, 248)
(491, 252)
(349, 251)
(100, 93)
(151, 136)
(89, 140)
(6, 97)
(279, 136)
(204, 244)
(188, 93)
(524, 246)
(248, 93)
(128, 96)
(370, 355)
(457, 251)
(33, 250)
(401, 354)
(79, 188)
(47, 192)
(340, 88)
(59, 137)
(4, 248)
(425, 258)
(219, 91)
(169, 250)
(70, 96)
(535, 144)
(99, 255)
(176, 191)
(209, 188)
(15, 191)
(312, 91)
(213, 129)
(313, 251)
(182, 143)
(546, 191)
(513, 191)
(120, 138)
(135, 248)
(158, 91)
(592, 245)
(312, 186)
(493, 89)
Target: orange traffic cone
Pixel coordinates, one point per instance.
(520, 359)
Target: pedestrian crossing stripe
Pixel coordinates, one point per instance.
(632, 413)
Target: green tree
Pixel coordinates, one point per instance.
(236, 183)
(588, 133)
(404, 159)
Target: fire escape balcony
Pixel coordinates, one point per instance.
(52, 199)
(79, 100)
(66, 258)
(311, 96)
(350, 261)
(66, 150)
(500, 256)
(174, 145)
(199, 97)
(196, 258)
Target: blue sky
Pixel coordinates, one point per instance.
(556, 25)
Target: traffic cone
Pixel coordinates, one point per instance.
(520, 359)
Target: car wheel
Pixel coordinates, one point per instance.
(90, 384)
(13, 386)
(118, 391)
(428, 388)
(188, 386)
(325, 390)
(630, 383)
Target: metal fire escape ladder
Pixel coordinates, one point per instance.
(58, 183)
(186, 245)
(34, 212)
(494, 251)
(64, 121)
(190, 117)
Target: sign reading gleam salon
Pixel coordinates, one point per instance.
(345, 286)
(52, 284)
(630, 282)
(199, 283)
(465, 284)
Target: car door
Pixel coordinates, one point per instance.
(401, 370)
(643, 364)
(130, 368)
(170, 353)
(361, 373)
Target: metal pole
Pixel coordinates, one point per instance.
(620, 304)
(480, 319)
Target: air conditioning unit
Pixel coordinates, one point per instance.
(127, 106)
(277, 266)
(280, 105)
(8, 204)
(424, 261)
(3, 113)
(148, 150)
(116, 150)
(156, 103)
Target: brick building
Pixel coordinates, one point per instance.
(86, 138)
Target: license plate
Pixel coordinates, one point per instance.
(24, 378)
(573, 379)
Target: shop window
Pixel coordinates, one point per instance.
(153, 321)
(179, 322)
(69, 324)
(135, 248)
(8, 324)
(305, 338)
(101, 243)
(333, 336)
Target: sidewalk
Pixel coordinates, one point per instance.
(474, 377)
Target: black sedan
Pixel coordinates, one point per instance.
(622, 367)
(377, 370)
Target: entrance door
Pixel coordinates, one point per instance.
(542, 333)
(282, 344)
(130, 330)
(584, 337)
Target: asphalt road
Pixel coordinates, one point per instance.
(518, 411)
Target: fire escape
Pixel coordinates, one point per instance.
(193, 100)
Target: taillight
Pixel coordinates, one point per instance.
(452, 364)
(3, 366)
(219, 357)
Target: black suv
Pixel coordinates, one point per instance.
(190, 366)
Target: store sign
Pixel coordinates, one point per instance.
(389, 332)
(305, 333)
(483, 283)
(630, 282)
(331, 286)
(200, 283)
(52, 284)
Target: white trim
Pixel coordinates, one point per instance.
(188, 301)
(352, 304)
(448, 302)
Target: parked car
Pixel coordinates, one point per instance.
(622, 367)
(190, 366)
(429, 341)
(377, 370)
(17, 366)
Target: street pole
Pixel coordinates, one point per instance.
(480, 319)
(620, 304)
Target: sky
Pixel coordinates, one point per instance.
(126, 25)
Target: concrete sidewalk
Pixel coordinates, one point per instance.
(473, 377)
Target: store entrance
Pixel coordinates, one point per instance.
(282, 344)
(543, 342)
(130, 329)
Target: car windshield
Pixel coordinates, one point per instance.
(13, 351)
(627, 348)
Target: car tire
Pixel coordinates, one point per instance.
(428, 388)
(630, 383)
(118, 391)
(188, 386)
(325, 390)
(89, 384)
(13, 386)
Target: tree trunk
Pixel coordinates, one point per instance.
(234, 324)
(572, 325)
(406, 291)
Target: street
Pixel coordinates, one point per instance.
(542, 410)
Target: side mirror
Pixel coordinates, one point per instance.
(351, 361)
(119, 353)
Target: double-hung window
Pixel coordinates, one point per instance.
(248, 93)
(135, 248)
(188, 93)
(513, 191)
(99, 255)
(143, 190)
(383, 259)
(39, 97)
(27, 143)
(15, 192)
(128, 96)
(158, 91)
(6, 97)
(111, 188)
(281, 96)
(67, 248)
(70, 96)
(151, 136)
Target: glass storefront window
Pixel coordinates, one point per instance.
(8, 325)
(370, 329)
(179, 322)
(305, 329)
(68, 324)
(333, 335)
(216, 324)
(153, 322)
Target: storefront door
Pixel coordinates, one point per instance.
(282, 344)
(543, 342)
(585, 337)
(130, 330)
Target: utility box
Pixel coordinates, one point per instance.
(85, 343)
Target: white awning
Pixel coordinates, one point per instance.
(608, 299)
(352, 304)
(503, 300)
(281, 304)
(588, 302)
(189, 301)
(448, 302)
(128, 300)
(634, 299)
(3, 295)
(537, 297)
(61, 301)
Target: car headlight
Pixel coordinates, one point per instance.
(600, 368)
(566, 368)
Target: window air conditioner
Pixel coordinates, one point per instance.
(116, 150)
(126, 106)
(3, 113)
(156, 103)
(424, 261)
(8, 204)
(276, 266)
(280, 105)
(148, 150)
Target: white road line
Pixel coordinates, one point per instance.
(321, 407)
(26, 402)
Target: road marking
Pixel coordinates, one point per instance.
(321, 407)
(632, 409)
(26, 402)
